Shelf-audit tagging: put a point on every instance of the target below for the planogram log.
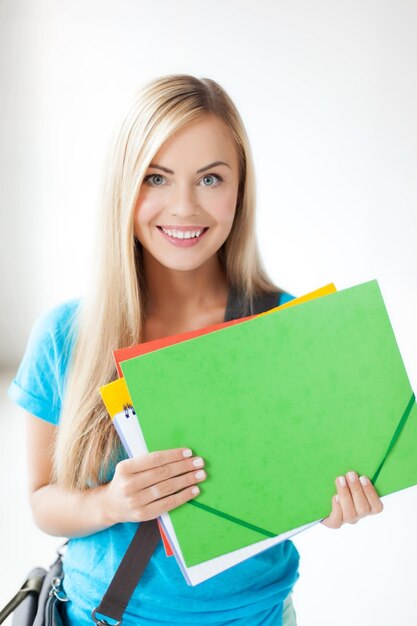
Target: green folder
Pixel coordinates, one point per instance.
(279, 406)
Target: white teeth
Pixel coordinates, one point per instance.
(178, 234)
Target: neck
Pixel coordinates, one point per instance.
(183, 293)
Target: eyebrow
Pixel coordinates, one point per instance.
(202, 169)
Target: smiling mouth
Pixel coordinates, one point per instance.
(183, 232)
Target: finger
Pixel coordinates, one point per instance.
(169, 470)
(171, 486)
(373, 498)
(335, 519)
(360, 501)
(154, 459)
(345, 501)
(153, 510)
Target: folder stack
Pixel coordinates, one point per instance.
(278, 405)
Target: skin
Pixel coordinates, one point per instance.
(187, 285)
(187, 289)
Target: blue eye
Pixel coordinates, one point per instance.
(148, 178)
(220, 179)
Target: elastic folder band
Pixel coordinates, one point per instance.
(396, 435)
(237, 520)
(268, 533)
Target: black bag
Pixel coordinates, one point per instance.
(37, 603)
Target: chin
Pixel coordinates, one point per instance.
(183, 266)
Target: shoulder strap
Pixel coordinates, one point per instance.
(31, 587)
(146, 538)
(238, 307)
(127, 576)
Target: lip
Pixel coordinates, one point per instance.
(184, 243)
(184, 229)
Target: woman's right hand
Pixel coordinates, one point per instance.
(144, 487)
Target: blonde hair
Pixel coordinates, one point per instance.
(112, 312)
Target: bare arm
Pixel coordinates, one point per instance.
(141, 489)
(55, 510)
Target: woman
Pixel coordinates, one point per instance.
(177, 237)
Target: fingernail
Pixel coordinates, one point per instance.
(195, 491)
(364, 480)
(200, 474)
(352, 477)
(187, 453)
(342, 481)
(337, 498)
(198, 462)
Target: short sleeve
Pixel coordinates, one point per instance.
(39, 383)
(285, 297)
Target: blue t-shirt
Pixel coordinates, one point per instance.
(249, 594)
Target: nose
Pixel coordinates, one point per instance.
(183, 202)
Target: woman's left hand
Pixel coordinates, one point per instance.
(356, 498)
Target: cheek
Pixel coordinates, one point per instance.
(145, 213)
(223, 207)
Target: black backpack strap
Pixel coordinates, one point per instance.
(237, 305)
(131, 568)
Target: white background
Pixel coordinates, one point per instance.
(328, 93)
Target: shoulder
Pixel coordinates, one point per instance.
(53, 331)
(40, 380)
(52, 335)
(58, 320)
(285, 297)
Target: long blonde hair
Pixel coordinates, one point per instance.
(113, 309)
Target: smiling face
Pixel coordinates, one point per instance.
(187, 201)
